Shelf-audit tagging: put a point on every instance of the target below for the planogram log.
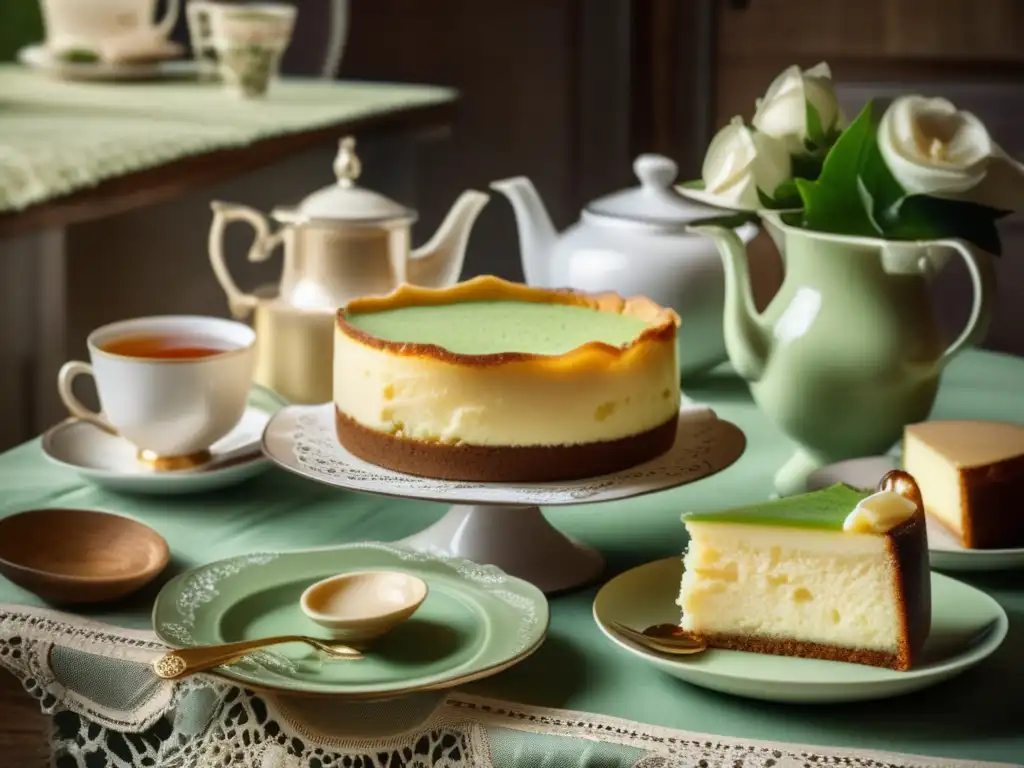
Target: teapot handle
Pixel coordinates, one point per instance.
(241, 303)
(979, 265)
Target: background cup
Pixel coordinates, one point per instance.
(104, 25)
(170, 409)
(249, 40)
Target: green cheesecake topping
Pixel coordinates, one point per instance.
(493, 327)
(822, 510)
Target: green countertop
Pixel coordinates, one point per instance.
(975, 716)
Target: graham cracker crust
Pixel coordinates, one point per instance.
(783, 647)
(503, 464)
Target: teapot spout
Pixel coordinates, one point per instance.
(438, 263)
(536, 232)
(746, 339)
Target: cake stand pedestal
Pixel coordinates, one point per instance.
(502, 524)
(519, 540)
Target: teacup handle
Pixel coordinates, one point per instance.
(166, 24)
(979, 265)
(65, 379)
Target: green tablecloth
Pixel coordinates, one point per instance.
(975, 716)
(58, 137)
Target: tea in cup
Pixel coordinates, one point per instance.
(171, 385)
(247, 39)
(108, 28)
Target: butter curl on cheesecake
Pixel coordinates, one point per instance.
(431, 399)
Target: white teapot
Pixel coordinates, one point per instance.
(634, 242)
(340, 242)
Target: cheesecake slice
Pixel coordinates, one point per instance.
(971, 475)
(489, 380)
(836, 574)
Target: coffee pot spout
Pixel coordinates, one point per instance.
(438, 263)
(747, 340)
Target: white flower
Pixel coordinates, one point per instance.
(740, 161)
(782, 112)
(934, 149)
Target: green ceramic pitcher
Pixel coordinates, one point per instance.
(848, 351)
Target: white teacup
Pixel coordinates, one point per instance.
(172, 408)
(245, 39)
(107, 26)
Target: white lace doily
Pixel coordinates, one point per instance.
(302, 439)
(108, 709)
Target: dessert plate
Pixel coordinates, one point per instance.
(39, 58)
(110, 462)
(475, 622)
(967, 627)
(944, 551)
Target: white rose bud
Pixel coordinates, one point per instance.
(740, 161)
(931, 148)
(782, 112)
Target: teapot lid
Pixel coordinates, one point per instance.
(654, 202)
(344, 201)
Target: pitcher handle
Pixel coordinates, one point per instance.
(979, 265)
(166, 24)
(241, 303)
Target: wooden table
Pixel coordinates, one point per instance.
(136, 244)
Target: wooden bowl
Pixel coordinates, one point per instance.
(76, 556)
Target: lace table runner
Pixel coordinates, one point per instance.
(108, 709)
(58, 137)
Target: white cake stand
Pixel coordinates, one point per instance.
(500, 523)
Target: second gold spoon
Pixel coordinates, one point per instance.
(188, 661)
(663, 638)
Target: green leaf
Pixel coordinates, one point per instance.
(786, 196)
(693, 184)
(920, 217)
(730, 221)
(815, 131)
(834, 201)
(808, 165)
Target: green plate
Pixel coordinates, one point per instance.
(475, 622)
(967, 626)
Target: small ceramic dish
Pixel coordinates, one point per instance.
(363, 605)
(76, 556)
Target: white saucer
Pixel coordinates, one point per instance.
(944, 551)
(967, 627)
(40, 58)
(110, 462)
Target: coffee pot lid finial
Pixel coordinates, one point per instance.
(345, 201)
(347, 166)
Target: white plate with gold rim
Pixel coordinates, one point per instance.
(111, 462)
(944, 551)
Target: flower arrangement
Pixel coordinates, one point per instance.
(919, 170)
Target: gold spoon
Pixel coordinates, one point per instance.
(188, 661)
(663, 638)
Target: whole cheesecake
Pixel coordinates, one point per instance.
(495, 381)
